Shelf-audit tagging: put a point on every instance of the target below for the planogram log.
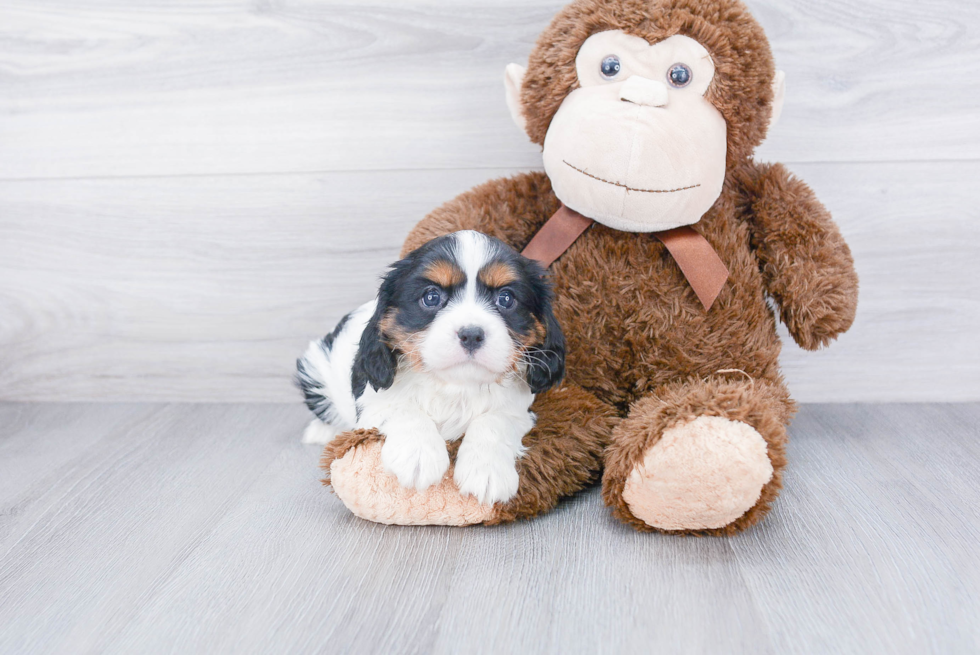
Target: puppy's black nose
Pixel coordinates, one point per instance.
(471, 337)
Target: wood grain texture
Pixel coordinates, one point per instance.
(91, 539)
(190, 289)
(189, 192)
(149, 88)
(877, 526)
(204, 529)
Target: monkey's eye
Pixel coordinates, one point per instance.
(680, 75)
(610, 67)
(431, 298)
(506, 299)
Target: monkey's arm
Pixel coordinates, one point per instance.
(511, 209)
(806, 265)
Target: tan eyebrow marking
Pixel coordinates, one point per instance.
(444, 273)
(497, 274)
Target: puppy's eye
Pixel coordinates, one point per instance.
(506, 299)
(680, 75)
(432, 298)
(610, 67)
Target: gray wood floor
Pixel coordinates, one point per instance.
(150, 528)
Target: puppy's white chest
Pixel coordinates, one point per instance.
(450, 406)
(453, 407)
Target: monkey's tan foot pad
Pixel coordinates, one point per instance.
(372, 494)
(703, 474)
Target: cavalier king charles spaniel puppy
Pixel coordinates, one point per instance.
(458, 341)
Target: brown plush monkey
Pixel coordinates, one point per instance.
(648, 112)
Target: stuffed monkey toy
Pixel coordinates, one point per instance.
(672, 254)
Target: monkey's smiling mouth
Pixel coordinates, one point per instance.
(629, 188)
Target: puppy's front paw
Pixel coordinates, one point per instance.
(490, 477)
(416, 463)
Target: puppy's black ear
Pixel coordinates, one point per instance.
(546, 362)
(375, 362)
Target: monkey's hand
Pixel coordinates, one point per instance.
(806, 265)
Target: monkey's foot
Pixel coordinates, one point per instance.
(699, 456)
(700, 475)
(353, 462)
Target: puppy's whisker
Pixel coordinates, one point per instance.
(533, 360)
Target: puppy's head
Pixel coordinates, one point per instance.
(467, 308)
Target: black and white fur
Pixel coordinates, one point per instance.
(426, 375)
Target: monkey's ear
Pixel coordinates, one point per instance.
(513, 77)
(778, 96)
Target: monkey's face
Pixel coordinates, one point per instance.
(637, 146)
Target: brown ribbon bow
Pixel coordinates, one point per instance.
(699, 262)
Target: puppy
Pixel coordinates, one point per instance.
(458, 341)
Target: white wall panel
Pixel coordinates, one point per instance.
(189, 191)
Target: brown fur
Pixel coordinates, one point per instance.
(341, 444)
(564, 450)
(406, 343)
(636, 327)
(763, 405)
(445, 274)
(640, 345)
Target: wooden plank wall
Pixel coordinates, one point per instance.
(189, 191)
